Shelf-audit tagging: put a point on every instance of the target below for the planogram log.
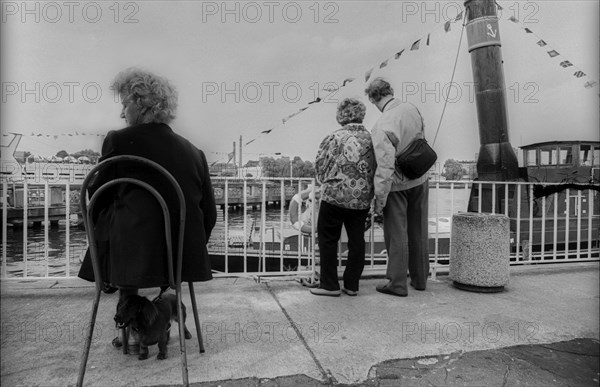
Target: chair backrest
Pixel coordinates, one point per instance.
(88, 207)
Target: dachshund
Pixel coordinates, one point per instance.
(151, 320)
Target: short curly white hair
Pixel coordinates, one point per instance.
(150, 91)
(350, 111)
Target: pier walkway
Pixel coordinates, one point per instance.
(543, 330)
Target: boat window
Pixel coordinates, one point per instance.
(566, 155)
(585, 155)
(547, 156)
(532, 157)
(596, 157)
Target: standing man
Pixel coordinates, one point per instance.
(402, 201)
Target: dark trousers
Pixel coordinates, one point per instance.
(406, 237)
(329, 228)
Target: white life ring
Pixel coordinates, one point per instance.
(302, 220)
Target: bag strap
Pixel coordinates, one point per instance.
(394, 140)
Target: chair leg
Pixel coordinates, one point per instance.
(184, 368)
(196, 319)
(124, 337)
(88, 339)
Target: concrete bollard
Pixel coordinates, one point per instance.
(480, 251)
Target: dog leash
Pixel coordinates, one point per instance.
(163, 289)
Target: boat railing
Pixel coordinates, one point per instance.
(549, 223)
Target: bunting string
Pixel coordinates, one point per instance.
(415, 46)
(552, 52)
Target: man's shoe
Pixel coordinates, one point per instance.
(350, 292)
(385, 290)
(416, 288)
(325, 292)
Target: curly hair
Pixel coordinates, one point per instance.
(350, 111)
(149, 91)
(378, 89)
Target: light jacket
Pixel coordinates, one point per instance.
(399, 121)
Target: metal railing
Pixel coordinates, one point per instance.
(254, 236)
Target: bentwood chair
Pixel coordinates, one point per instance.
(174, 276)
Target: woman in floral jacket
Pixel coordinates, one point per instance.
(345, 168)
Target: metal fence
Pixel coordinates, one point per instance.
(42, 234)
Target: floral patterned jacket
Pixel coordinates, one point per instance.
(345, 167)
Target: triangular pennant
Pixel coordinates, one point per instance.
(347, 80)
(541, 43)
(527, 30)
(267, 131)
(553, 53)
(398, 54)
(458, 17)
(447, 26)
(590, 84)
(383, 64)
(579, 74)
(415, 45)
(566, 64)
(368, 74)
(32, 134)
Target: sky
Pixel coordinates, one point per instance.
(241, 68)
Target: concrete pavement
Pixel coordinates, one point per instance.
(542, 330)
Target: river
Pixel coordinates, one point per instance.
(443, 200)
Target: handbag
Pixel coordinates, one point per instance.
(417, 159)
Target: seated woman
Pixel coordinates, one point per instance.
(129, 226)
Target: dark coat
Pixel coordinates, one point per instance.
(129, 223)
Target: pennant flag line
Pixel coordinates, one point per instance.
(367, 75)
(554, 53)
